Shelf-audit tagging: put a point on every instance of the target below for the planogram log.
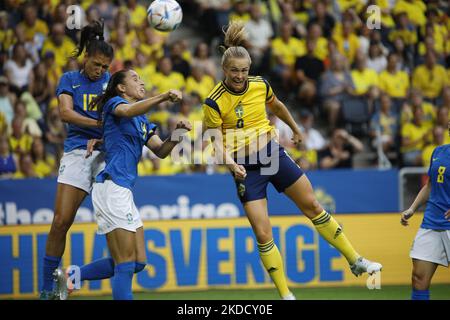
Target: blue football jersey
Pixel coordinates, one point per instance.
(82, 90)
(439, 200)
(124, 139)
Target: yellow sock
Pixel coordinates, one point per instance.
(271, 259)
(330, 230)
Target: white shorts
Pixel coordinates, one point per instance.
(431, 245)
(114, 208)
(77, 171)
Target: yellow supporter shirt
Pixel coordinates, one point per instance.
(127, 52)
(240, 18)
(415, 11)
(163, 83)
(137, 16)
(409, 37)
(395, 85)
(309, 155)
(363, 80)
(429, 115)
(146, 73)
(24, 143)
(426, 154)
(289, 51)
(241, 116)
(44, 168)
(430, 82)
(347, 46)
(39, 27)
(203, 87)
(7, 39)
(62, 53)
(321, 49)
(414, 132)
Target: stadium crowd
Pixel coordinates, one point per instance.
(353, 85)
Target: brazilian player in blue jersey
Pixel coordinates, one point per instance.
(431, 246)
(125, 131)
(235, 115)
(75, 90)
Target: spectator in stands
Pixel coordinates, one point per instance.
(308, 70)
(365, 79)
(306, 158)
(312, 138)
(414, 10)
(430, 78)
(442, 117)
(19, 141)
(414, 137)
(404, 30)
(323, 18)
(29, 125)
(384, 124)
(19, 68)
(60, 44)
(106, 10)
(7, 37)
(339, 153)
(285, 50)
(179, 64)
(392, 81)
(336, 85)
(26, 169)
(35, 29)
(199, 83)
(416, 101)
(123, 48)
(213, 15)
(314, 35)
(7, 161)
(438, 140)
(376, 60)
(259, 33)
(41, 87)
(7, 100)
(347, 41)
(55, 132)
(166, 79)
(43, 163)
(202, 58)
(239, 11)
(137, 13)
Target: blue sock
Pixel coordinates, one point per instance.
(420, 294)
(97, 270)
(122, 281)
(139, 267)
(50, 264)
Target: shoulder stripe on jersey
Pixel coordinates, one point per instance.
(217, 94)
(212, 104)
(66, 92)
(215, 91)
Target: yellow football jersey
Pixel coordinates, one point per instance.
(242, 116)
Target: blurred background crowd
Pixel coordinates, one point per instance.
(365, 94)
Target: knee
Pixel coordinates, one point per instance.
(419, 281)
(60, 225)
(312, 207)
(263, 235)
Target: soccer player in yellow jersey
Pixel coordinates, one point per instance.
(235, 115)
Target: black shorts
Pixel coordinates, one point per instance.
(279, 169)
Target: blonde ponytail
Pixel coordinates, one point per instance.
(235, 38)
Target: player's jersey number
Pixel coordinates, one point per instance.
(440, 177)
(87, 98)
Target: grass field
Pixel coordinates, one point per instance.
(438, 292)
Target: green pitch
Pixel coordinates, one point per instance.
(438, 292)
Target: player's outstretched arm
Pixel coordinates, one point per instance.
(68, 115)
(280, 110)
(162, 148)
(421, 198)
(144, 106)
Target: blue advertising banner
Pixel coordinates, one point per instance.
(197, 196)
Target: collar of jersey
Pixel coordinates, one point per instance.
(234, 92)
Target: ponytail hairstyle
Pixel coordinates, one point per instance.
(235, 39)
(110, 92)
(92, 41)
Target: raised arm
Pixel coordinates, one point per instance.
(163, 148)
(142, 107)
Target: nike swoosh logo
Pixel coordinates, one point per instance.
(74, 87)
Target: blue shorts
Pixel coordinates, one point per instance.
(259, 174)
